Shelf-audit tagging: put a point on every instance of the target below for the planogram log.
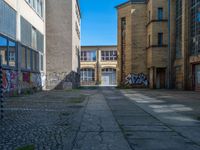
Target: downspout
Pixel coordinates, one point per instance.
(169, 46)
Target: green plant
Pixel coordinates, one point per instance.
(28, 147)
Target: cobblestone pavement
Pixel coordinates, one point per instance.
(102, 119)
(48, 120)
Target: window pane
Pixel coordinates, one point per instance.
(41, 63)
(23, 57)
(34, 38)
(33, 60)
(28, 59)
(3, 50)
(12, 53)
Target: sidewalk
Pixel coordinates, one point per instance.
(147, 129)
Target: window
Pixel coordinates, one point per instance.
(12, 53)
(41, 63)
(23, 57)
(160, 39)
(195, 27)
(160, 13)
(28, 58)
(37, 5)
(3, 50)
(88, 56)
(7, 52)
(34, 38)
(178, 28)
(108, 55)
(87, 74)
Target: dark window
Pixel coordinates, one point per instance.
(160, 39)
(149, 40)
(160, 13)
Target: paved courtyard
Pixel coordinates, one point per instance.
(102, 119)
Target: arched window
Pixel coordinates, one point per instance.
(87, 74)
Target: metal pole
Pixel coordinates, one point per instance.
(1, 90)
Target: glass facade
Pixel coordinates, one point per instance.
(178, 28)
(195, 27)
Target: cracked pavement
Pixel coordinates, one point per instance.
(102, 119)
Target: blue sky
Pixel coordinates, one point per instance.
(99, 22)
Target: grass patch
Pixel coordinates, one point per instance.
(28, 147)
(76, 100)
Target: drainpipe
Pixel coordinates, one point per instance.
(169, 46)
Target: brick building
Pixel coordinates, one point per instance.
(98, 65)
(158, 43)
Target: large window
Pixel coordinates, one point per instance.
(178, 28)
(37, 5)
(23, 58)
(8, 52)
(87, 74)
(29, 59)
(108, 55)
(88, 56)
(195, 27)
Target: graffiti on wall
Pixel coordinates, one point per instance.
(30, 80)
(9, 80)
(136, 79)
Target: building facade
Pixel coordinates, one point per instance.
(63, 20)
(168, 54)
(22, 45)
(98, 65)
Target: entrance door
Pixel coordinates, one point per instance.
(160, 78)
(108, 77)
(197, 77)
(105, 80)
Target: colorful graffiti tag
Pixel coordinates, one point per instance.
(9, 80)
(136, 79)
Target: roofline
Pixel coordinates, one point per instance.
(122, 4)
(98, 45)
(129, 2)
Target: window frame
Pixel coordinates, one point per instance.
(7, 66)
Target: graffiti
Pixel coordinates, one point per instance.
(26, 77)
(136, 79)
(36, 80)
(9, 80)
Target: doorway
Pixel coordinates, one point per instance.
(160, 78)
(197, 77)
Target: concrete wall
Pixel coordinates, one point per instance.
(61, 40)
